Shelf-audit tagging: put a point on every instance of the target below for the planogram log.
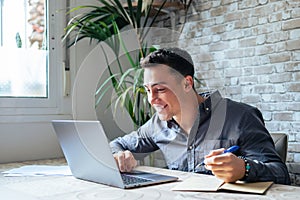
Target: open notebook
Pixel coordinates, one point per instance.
(211, 184)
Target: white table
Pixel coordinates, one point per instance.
(68, 187)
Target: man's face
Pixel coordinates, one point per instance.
(164, 89)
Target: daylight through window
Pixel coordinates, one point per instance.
(23, 49)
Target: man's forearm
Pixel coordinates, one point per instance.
(273, 171)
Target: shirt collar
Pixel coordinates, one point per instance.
(172, 124)
(212, 98)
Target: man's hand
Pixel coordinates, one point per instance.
(125, 161)
(227, 166)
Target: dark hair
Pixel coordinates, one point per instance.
(177, 59)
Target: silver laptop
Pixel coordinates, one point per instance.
(89, 156)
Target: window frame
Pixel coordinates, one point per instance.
(1, 23)
(57, 101)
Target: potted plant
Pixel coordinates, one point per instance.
(102, 24)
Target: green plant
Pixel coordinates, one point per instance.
(102, 24)
(99, 22)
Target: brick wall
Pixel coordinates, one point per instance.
(250, 51)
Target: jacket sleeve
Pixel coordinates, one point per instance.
(258, 148)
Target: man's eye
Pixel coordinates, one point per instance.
(160, 89)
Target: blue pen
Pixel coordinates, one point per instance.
(229, 150)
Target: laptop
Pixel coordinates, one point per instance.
(89, 156)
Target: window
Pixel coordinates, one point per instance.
(23, 51)
(31, 57)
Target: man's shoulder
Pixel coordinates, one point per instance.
(243, 110)
(240, 105)
(231, 104)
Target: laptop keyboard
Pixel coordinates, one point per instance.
(128, 180)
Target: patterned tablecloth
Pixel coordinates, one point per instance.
(68, 187)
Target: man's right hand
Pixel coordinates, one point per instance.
(125, 161)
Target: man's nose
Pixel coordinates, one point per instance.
(152, 96)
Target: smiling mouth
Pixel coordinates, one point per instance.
(160, 108)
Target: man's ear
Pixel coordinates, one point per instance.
(188, 82)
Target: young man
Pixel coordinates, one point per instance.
(191, 129)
